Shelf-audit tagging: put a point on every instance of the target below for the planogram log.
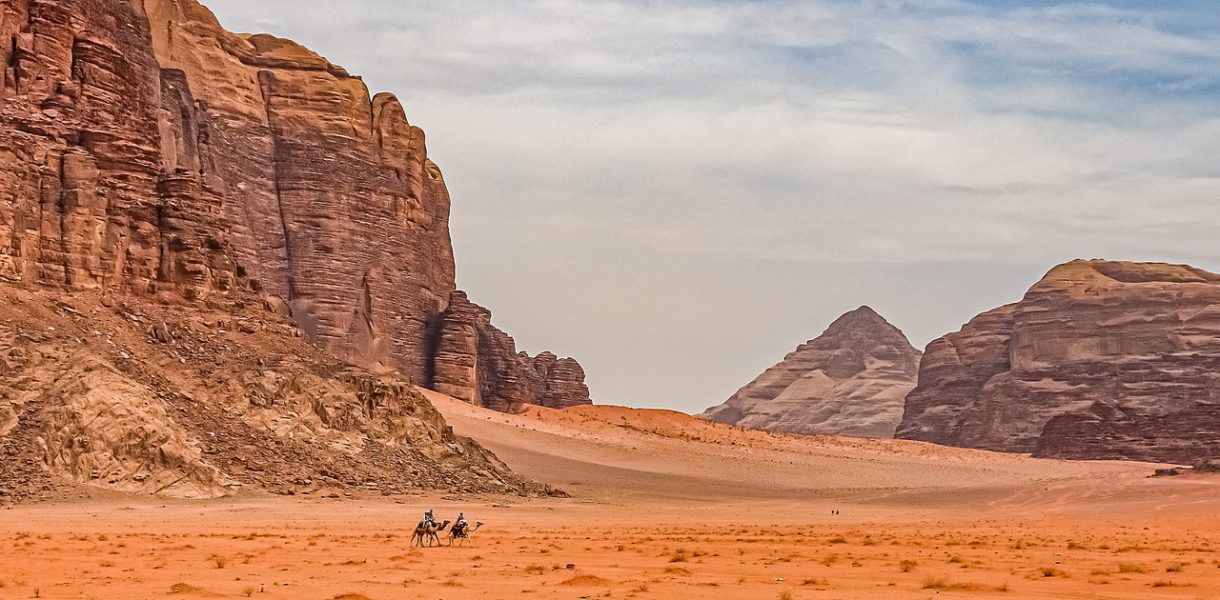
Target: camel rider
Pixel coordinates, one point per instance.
(429, 519)
(459, 527)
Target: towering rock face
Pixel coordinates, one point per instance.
(1100, 360)
(145, 149)
(851, 380)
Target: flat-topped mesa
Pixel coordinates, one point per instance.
(146, 150)
(851, 380)
(478, 363)
(1099, 360)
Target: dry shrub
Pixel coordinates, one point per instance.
(943, 584)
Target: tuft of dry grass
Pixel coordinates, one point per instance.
(1163, 583)
(1131, 568)
(907, 566)
(218, 561)
(943, 584)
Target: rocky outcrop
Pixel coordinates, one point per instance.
(851, 380)
(478, 363)
(145, 397)
(1099, 360)
(146, 150)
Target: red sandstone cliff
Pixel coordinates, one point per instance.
(145, 150)
(851, 380)
(1099, 360)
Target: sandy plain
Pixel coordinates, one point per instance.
(663, 506)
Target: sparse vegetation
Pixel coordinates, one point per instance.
(907, 566)
(1163, 583)
(944, 584)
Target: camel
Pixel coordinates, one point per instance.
(465, 536)
(425, 531)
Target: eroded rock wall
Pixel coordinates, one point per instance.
(1100, 359)
(479, 363)
(144, 149)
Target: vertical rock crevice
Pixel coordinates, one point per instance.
(146, 150)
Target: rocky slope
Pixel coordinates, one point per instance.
(123, 394)
(146, 150)
(851, 380)
(1099, 360)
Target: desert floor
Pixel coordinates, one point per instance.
(663, 507)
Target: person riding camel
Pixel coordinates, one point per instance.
(429, 519)
(459, 527)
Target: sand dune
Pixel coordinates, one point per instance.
(609, 454)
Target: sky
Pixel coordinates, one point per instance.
(679, 193)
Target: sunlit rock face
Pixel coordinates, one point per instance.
(146, 150)
(1099, 360)
(851, 380)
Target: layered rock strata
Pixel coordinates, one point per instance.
(478, 363)
(144, 149)
(851, 380)
(130, 395)
(1099, 360)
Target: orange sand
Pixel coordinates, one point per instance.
(663, 507)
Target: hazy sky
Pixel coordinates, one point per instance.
(678, 193)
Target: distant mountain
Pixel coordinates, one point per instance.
(851, 380)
